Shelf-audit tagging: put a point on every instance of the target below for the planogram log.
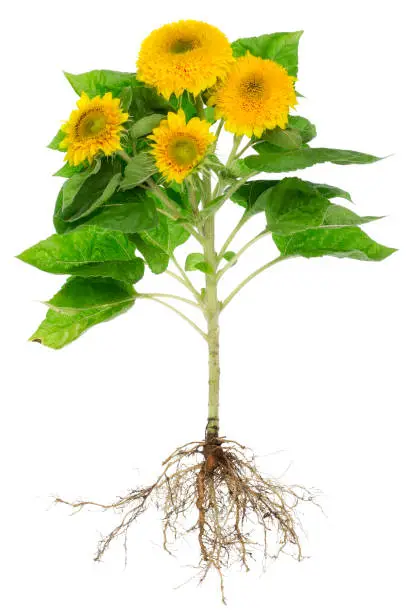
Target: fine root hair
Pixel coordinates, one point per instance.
(212, 490)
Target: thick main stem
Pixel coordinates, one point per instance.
(213, 335)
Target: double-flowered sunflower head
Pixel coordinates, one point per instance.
(250, 94)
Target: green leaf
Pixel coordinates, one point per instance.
(292, 206)
(349, 242)
(209, 114)
(158, 244)
(83, 193)
(125, 97)
(126, 211)
(187, 105)
(99, 82)
(83, 293)
(56, 141)
(229, 255)
(288, 138)
(167, 235)
(287, 161)
(304, 126)
(138, 170)
(339, 216)
(212, 207)
(156, 258)
(146, 125)
(248, 195)
(196, 261)
(80, 304)
(146, 101)
(281, 47)
(67, 170)
(87, 251)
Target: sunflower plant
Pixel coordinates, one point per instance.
(142, 177)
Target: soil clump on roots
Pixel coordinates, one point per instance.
(213, 489)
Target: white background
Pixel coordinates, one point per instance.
(314, 358)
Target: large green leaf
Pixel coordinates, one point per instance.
(87, 251)
(282, 47)
(338, 242)
(248, 195)
(292, 206)
(156, 258)
(83, 293)
(126, 211)
(85, 192)
(138, 170)
(99, 82)
(286, 161)
(157, 245)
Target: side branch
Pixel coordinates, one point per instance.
(249, 278)
(178, 312)
(234, 259)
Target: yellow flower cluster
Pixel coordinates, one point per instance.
(249, 93)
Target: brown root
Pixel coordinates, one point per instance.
(237, 512)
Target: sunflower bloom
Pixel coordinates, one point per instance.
(94, 127)
(256, 95)
(179, 146)
(187, 55)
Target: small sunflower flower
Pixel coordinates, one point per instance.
(179, 146)
(256, 95)
(186, 55)
(94, 127)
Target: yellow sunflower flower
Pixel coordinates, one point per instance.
(187, 55)
(93, 127)
(255, 96)
(180, 146)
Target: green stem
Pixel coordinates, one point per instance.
(231, 237)
(124, 155)
(187, 281)
(234, 259)
(172, 208)
(178, 312)
(213, 332)
(249, 278)
(169, 296)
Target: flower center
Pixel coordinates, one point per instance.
(183, 151)
(91, 124)
(253, 86)
(183, 45)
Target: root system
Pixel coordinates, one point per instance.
(214, 490)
